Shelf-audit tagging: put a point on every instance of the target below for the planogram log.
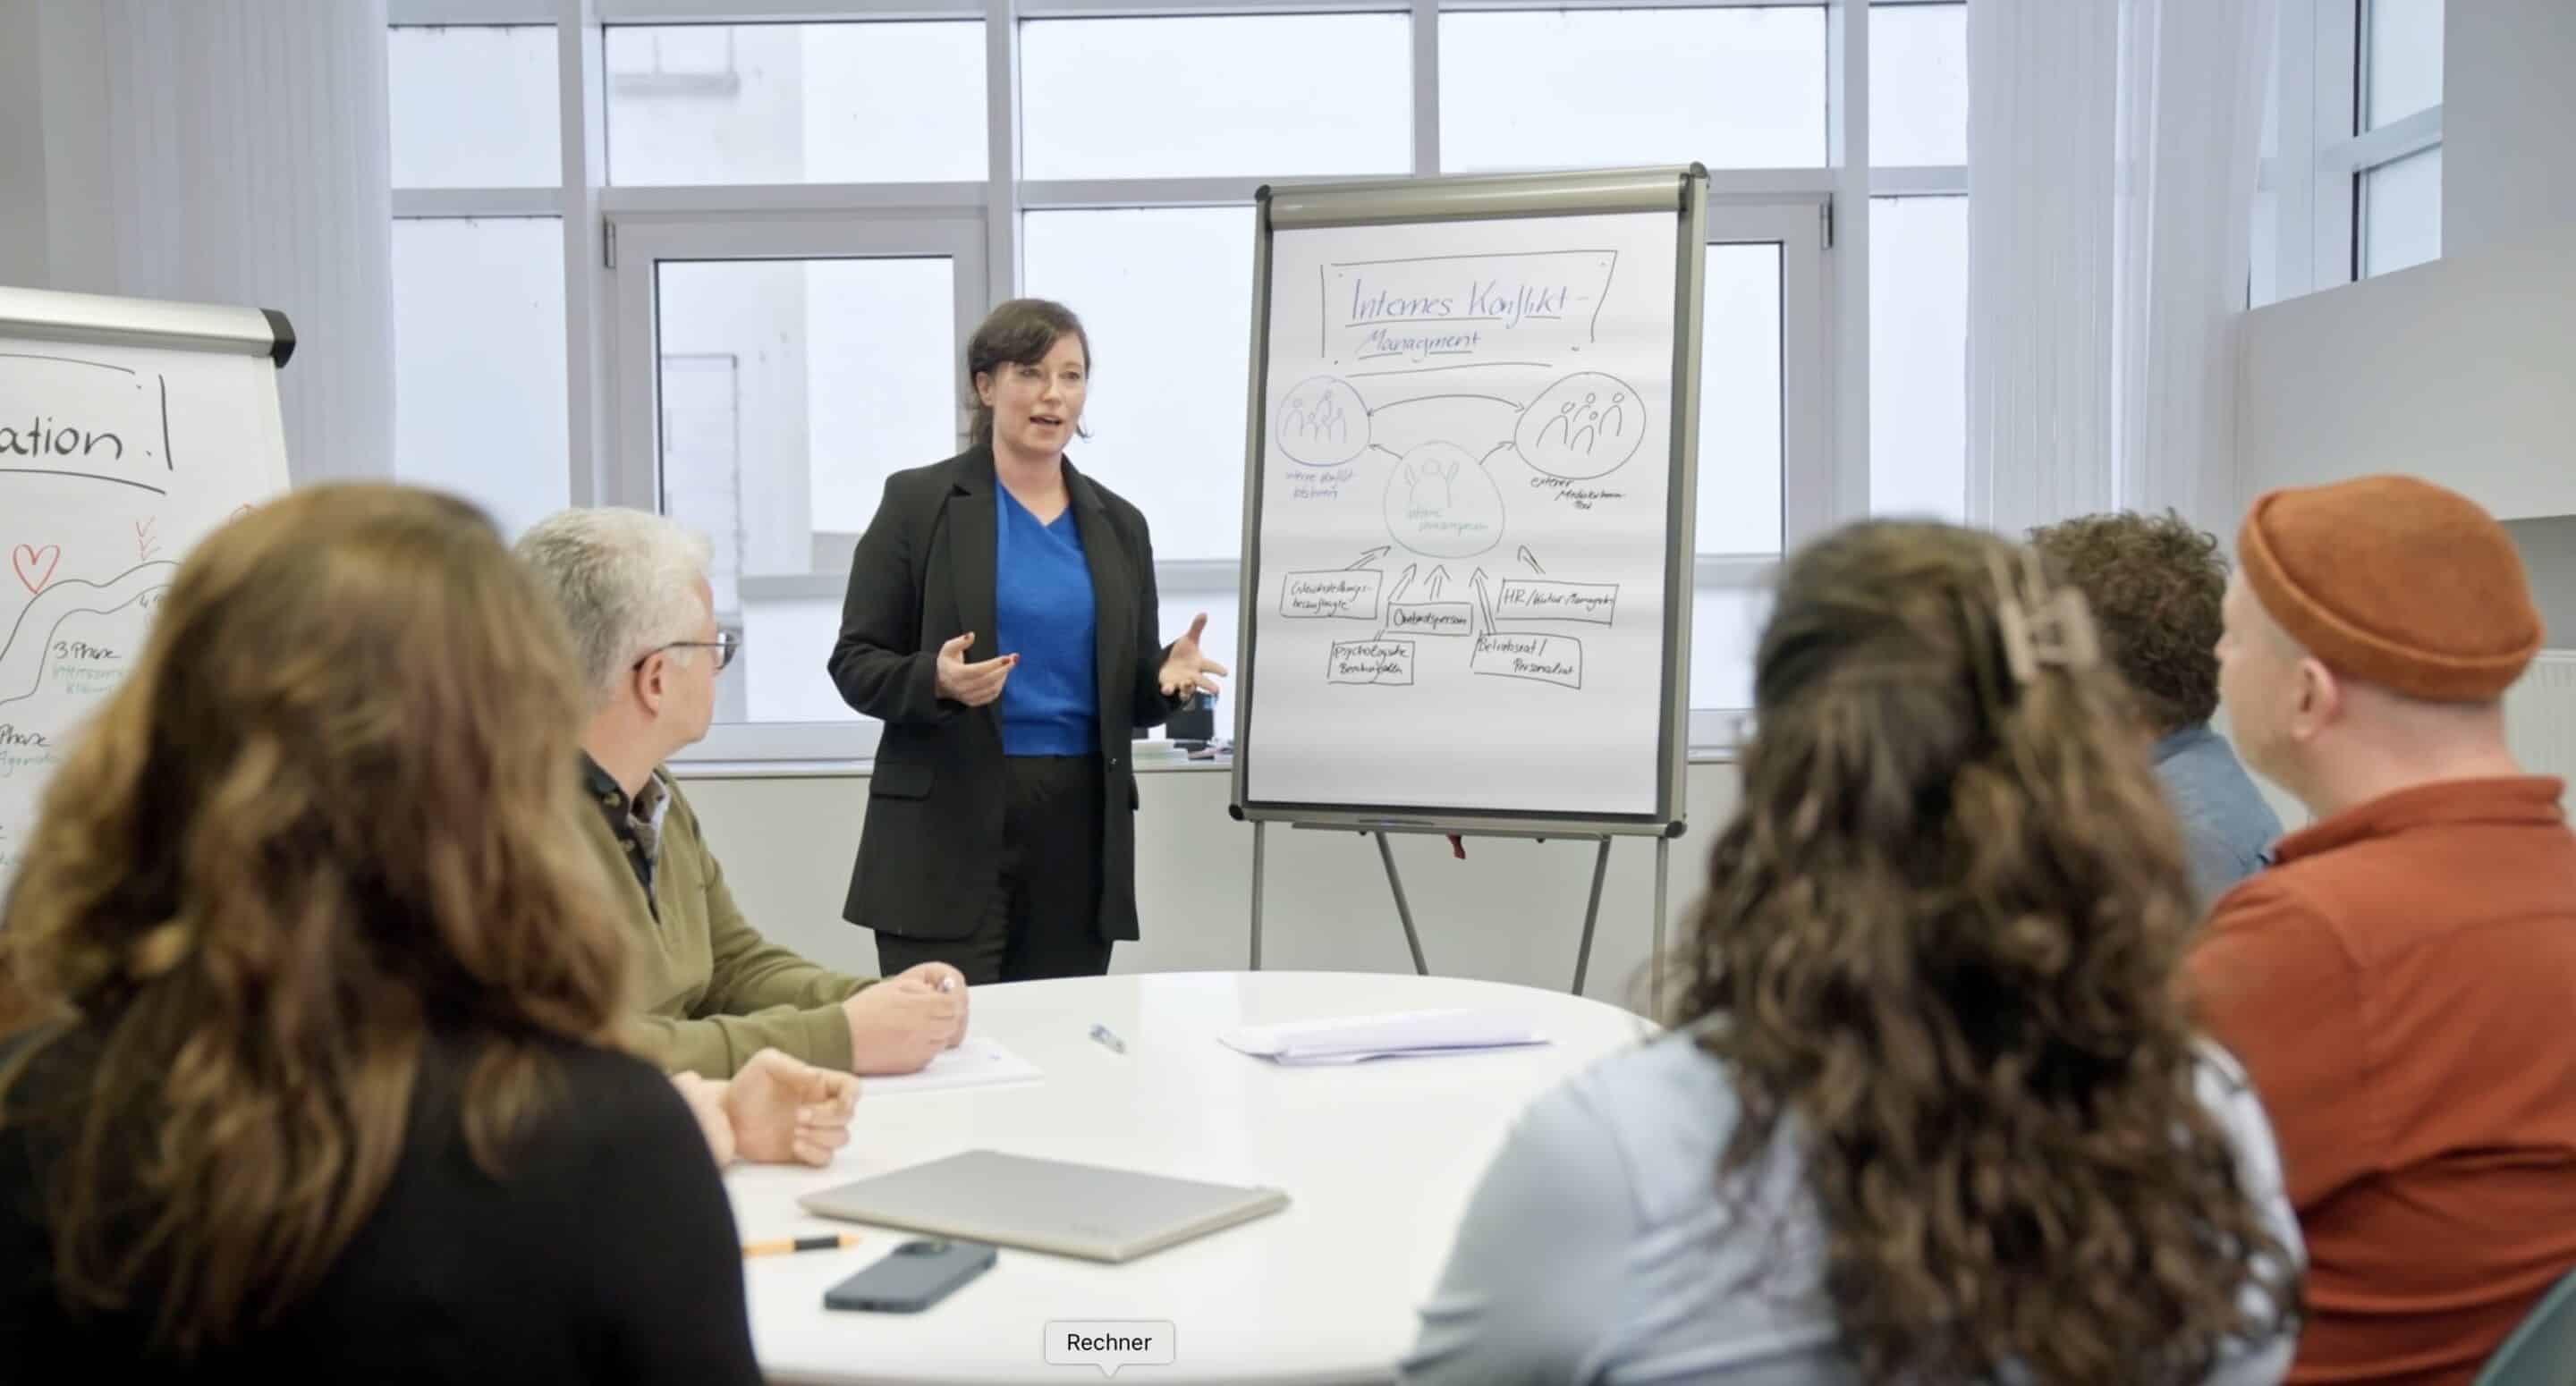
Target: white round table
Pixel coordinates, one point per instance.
(1378, 1160)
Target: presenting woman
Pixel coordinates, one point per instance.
(1001, 622)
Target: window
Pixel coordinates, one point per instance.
(1737, 87)
(2401, 213)
(1739, 401)
(1918, 357)
(802, 223)
(796, 103)
(770, 375)
(479, 398)
(1237, 94)
(1166, 296)
(2352, 167)
(789, 389)
(474, 108)
(1918, 84)
(2401, 60)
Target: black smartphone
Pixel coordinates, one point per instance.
(912, 1277)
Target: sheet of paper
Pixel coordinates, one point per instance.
(1348, 1039)
(979, 1062)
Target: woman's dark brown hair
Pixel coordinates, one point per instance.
(1019, 333)
(1940, 940)
(328, 811)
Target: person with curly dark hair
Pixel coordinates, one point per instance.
(1937, 1112)
(2155, 585)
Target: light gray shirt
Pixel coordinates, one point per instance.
(1599, 1247)
(2227, 826)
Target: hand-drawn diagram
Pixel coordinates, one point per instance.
(1581, 427)
(1451, 389)
(1507, 621)
(1321, 423)
(36, 643)
(1441, 503)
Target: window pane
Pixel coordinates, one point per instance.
(1918, 84)
(2401, 213)
(1165, 295)
(1918, 356)
(1739, 401)
(2263, 280)
(479, 389)
(2404, 59)
(1731, 88)
(796, 103)
(779, 675)
(474, 108)
(1726, 628)
(789, 389)
(1200, 97)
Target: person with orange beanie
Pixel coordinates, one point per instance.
(2400, 984)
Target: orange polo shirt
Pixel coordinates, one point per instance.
(2402, 988)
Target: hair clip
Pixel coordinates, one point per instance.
(2041, 627)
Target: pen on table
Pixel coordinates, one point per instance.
(1100, 1035)
(785, 1245)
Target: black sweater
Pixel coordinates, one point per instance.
(608, 1254)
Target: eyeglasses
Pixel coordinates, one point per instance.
(727, 644)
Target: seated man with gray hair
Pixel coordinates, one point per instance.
(710, 990)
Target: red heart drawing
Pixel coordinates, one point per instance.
(25, 559)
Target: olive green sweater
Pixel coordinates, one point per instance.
(710, 992)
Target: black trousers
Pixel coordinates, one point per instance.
(1042, 919)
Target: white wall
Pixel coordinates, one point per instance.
(1512, 911)
(2548, 550)
(22, 146)
(2508, 107)
(224, 151)
(2459, 371)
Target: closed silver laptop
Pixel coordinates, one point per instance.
(1058, 1206)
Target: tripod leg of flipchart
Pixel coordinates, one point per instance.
(1663, 873)
(1258, 828)
(1592, 912)
(1403, 911)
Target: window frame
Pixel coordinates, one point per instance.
(2324, 150)
(608, 225)
(646, 241)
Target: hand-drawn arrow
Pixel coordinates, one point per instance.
(1484, 599)
(1439, 580)
(1403, 580)
(1372, 556)
(1532, 560)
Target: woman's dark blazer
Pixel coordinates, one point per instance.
(930, 853)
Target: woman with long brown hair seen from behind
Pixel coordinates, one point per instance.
(1934, 1114)
(322, 1084)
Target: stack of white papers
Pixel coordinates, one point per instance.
(1350, 1039)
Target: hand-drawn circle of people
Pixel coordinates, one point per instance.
(1440, 503)
(1583, 426)
(1321, 423)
